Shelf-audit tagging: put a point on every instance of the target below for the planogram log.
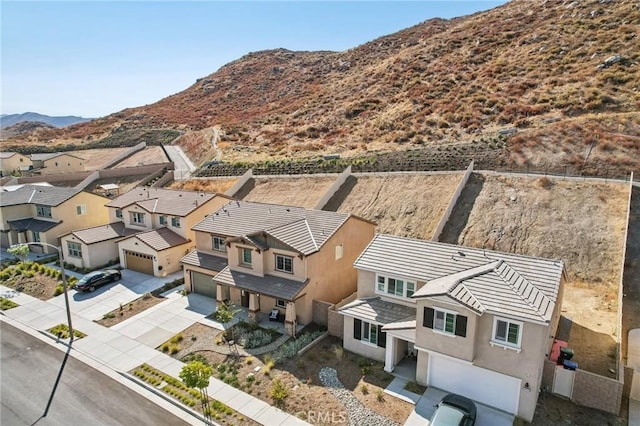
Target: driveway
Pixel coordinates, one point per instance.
(425, 407)
(94, 306)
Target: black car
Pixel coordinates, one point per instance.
(95, 279)
(454, 410)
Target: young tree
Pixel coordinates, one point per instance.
(196, 375)
(19, 250)
(224, 314)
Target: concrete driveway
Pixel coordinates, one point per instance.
(95, 305)
(425, 407)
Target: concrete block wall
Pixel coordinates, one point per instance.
(548, 372)
(335, 324)
(602, 393)
(320, 312)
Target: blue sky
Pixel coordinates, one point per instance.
(94, 58)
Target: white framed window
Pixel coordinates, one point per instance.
(395, 286)
(75, 250)
(507, 332)
(369, 333)
(35, 236)
(218, 244)
(281, 303)
(119, 213)
(81, 209)
(444, 321)
(175, 222)
(137, 218)
(245, 256)
(163, 220)
(284, 263)
(43, 211)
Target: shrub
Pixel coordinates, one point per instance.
(165, 347)
(257, 339)
(249, 360)
(174, 349)
(177, 338)
(380, 395)
(279, 392)
(58, 290)
(339, 351)
(364, 389)
(7, 304)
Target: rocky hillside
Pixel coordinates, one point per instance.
(560, 78)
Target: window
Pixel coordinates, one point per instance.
(245, 256)
(507, 332)
(163, 220)
(137, 218)
(75, 250)
(218, 244)
(281, 303)
(43, 211)
(35, 236)
(444, 321)
(81, 209)
(119, 213)
(395, 286)
(175, 221)
(370, 333)
(284, 263)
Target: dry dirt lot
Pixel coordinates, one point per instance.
(149, 155)
(405, 205)
(218, 185)
(581, 223)
(95, 159)
(303, 191)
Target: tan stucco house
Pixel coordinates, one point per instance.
(474, 322)
(266, 256)
(41, 214)
(57, 162)
(148, 230)
(13, 161)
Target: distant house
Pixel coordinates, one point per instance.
(58, 162)
(474, 322)
(13, 161)
(148, 230)
(35, 213)
(269, 257)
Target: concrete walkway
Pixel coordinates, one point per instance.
(115, 350)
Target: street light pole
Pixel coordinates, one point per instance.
(66, 294)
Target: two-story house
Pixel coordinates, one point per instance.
(477, 322)
(148, 230)
(57, 162)
(41, 214)
(266, 256)
(13, 161)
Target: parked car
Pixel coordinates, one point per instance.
(95, 279)
(454, 410)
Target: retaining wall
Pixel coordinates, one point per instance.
(452, 203)
(126, 154)
(164, 180)
(248, 175)
(335, 187)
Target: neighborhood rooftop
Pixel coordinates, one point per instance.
(162, 201)
(161, 239)
(48, 156)
(37, 194)
(101, 233)
(301, 229)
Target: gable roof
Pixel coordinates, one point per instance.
(303, 230)
(269, 285)
(36, 194)
(49, 156)
(30, 224)
(374, 309)
(4, 155)
(163, 201)
(100, 233)
(161, 239)
(483, 280)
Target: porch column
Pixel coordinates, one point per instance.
(254, 307)
(219, 293)
(389, 354)
(290, 319)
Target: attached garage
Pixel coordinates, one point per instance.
(482, 385)
(140, 262)
(203, 284)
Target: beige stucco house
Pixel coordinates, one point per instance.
(266, 256)
(148, 230)
(57, 162)
(13, 161)
(474, 322)
(41, 214)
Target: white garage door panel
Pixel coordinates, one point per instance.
(485, 386)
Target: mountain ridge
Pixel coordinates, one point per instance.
(7, 120)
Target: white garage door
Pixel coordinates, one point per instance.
(485, 386)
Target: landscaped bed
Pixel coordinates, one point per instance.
(34, 279)
(129, 310)
(6, 304)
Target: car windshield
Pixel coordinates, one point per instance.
(447, 415)
(87, 277)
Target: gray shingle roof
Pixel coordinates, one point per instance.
(204, 260)
(376, 310)
(163, 201)
(29, 224)
(161, 238)
(279, 288)
(37, 194)
(301, 229)
(484, 280)
(101, 233)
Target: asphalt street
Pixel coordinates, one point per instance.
(84, 396)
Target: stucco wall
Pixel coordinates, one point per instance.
(63, 164)
(165, 262)
(93, 256)
(356, 346)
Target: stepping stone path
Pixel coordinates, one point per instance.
(357, 413)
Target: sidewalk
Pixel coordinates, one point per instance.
(119, 352)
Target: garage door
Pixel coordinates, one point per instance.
(139, 262)
(203, 284)
(485, 386)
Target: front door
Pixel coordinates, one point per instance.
(244, 299)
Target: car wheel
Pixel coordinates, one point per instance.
(92, 288)
(118, 278)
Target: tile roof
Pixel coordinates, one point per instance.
(7, 154)
(30, 224)
(303, 230)
(163, 201)
(484, 280)
(37, 194)
(48, 156)
(101, 233)
(279, 288)
(204, 260)
(161, 239)
(380, 311)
